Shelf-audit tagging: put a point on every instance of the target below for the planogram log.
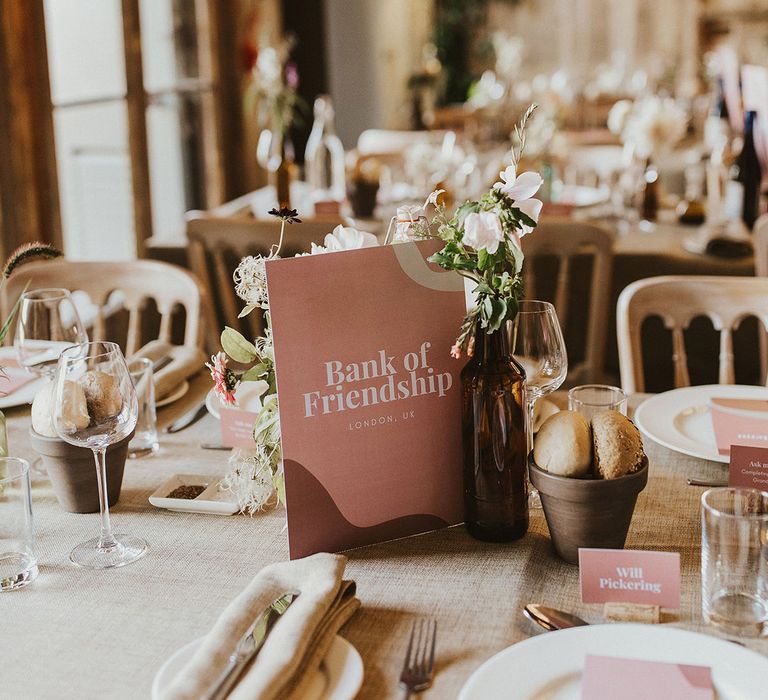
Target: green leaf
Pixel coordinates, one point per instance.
(237, 347)
(247, 310)
(255, 373)
(498, 315)
(483, 259)
(524, 218)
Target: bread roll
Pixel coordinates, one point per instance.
(74, 411)
(563, 445)
(618, 445)
(102, 393)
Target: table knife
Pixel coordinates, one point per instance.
(712, 483)
(161, 362)
(249, 646)
(550, 618)
(188, 418)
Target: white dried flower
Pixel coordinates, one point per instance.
(251, 281)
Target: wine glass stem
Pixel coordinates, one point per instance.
(107, 539)
(531, 403)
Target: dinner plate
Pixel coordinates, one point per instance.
(339, 677)
(247, 396)
(680, 419)
(174, 395)
(25, 393)
(549, 666)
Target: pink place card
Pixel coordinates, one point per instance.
(610, 678)
(630, 576)
(748, 467)
(369, 396)
(237, 427)
(739, 422)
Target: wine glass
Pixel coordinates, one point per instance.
(537, 344)
(47, 323)
(95, 405)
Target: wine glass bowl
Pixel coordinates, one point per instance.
(95, 405)
(47, 324)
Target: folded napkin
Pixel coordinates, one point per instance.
(186, 362)
(298, 643)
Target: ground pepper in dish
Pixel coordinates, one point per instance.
(187, 491)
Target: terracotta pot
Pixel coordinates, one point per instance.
(72, 471)
(593, 513)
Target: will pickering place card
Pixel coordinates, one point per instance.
(630, 576)
(368, 394)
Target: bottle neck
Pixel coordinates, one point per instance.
(492, 347)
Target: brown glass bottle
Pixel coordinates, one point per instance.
(494, 440)
(650, 206)
(282, 177)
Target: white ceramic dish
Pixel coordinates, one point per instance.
(549, 666)
(24, 394)
(213, 500)
(680, 419)
(247, 396)
(339, 677)
(174, 395)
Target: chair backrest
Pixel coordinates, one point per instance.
(138, 282)
(216, 246)
(677, 300)
(564, 240)
(760, 240)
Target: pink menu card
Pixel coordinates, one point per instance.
(368, 394)
(610, 678)
(748, 467)
(739, 422)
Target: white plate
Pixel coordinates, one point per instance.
(213, 500)
(24, 394)
(246, 394)
(177, 392)
(339, 678)
(549, 666)
(680, 419)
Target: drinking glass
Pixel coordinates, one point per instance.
(537, 344)
(18, 564)
(734, 560)
(590, 399)
(144, 442)
(95, 405)
(48, 323)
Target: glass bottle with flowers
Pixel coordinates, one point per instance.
(482, 243)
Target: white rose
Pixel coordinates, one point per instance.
(482, 231)
(348, 238)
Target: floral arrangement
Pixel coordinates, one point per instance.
(256, 474)
(482, 243)
(651, 125)
(273, 87)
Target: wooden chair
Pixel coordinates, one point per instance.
(677, 300)
(216, 246)
(564, 240)
(760, 242)
(138, 282)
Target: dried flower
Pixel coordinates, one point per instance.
(285, 214)
(26, 252)
(250, 278)
(224, 379)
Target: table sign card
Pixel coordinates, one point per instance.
(237, 427)
(632, 679)
(369, 397)
(630, 576)
(748, 467)
(739, 422)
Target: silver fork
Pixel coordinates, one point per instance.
(419, 662)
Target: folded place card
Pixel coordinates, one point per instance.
(237, 427)
(748, 467)
(610, 678)
(739, 422)
(630, 576)
(369, 397)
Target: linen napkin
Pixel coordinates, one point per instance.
(298, 643)
(186, 362)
